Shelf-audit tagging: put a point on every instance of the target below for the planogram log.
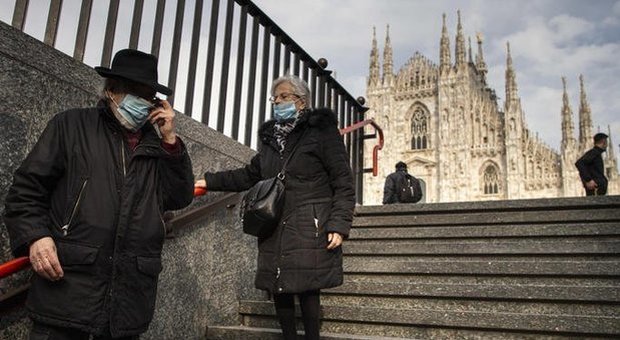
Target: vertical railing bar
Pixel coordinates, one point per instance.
(110, 29)
(176, 46)
(296, 64)
(277, 51)
(136, 21)
(158, 27)
(348, 136)
(264, 74)
(243, 20)
(305, 71)
(321, 88)
(19, 14)
(193, 58)
(82, 31)
(251, 82)
(341, 112)
(287, 59)
(313, 88)
(206, 98)
(328, 96)
(359, 163)
(221, 114)
(52, 22)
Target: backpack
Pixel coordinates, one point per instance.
(408, 189)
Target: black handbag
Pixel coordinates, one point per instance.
(262, 205)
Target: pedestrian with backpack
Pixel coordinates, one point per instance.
(401, 187)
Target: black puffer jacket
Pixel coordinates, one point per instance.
(319, 199)
(81, 175)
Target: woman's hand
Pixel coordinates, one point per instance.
(334, 239)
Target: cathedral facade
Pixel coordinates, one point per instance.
(445, 123)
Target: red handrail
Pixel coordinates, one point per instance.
(375, 150)
(14, 266)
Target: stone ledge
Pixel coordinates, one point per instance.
(256, 333)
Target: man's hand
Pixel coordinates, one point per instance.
(334, 239)
(163, 116)
(591, 185)
(44, 259)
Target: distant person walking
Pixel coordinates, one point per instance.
(401, 187)
(592, 169)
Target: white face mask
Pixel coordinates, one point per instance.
(134, 111)
(284, 111)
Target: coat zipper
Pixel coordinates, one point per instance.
(123, 159)
(65, 228)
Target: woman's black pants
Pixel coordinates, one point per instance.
(310, 304)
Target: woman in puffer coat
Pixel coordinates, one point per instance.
(303, 254)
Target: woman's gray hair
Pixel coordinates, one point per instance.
(300, 87)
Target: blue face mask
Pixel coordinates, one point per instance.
(284, 111)
(134, 111)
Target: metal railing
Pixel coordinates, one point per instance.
(243, 51)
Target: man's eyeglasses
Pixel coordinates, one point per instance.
(285, 96)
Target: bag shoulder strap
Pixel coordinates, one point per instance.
(281, 173)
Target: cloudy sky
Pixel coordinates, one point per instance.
(548, 38)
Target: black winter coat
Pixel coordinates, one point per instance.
(81, 175)
(592, 167)
(319, 199)
(390, 192)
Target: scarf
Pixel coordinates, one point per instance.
(281, 131)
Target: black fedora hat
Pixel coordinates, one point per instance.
(136, 66)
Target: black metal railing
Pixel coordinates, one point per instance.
(243, 51)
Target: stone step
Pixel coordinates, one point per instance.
(483, 231)
(398, 278)
(569, 268)
(484, 247)
(608, 294)
(258, 333)
(475, 304)
(487, 217)
(341, 317)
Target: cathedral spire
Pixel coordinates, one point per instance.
(387, 59)
(611, 161)
(373, 79)
(481, 65)
(460, 42)
(585, 119)
(511, 81)
(469, 54)
(444, 48)
(568, 137)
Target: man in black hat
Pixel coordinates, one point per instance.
(86, 206)
(592, 169)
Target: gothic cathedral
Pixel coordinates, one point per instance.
(445, 123)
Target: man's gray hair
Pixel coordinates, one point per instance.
(300, 87)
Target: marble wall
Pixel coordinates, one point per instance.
(207, 266)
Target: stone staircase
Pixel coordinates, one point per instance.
(526, 269)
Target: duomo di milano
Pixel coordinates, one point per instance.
(445, 123)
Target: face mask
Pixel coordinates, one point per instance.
(284, 111)
(134, 111)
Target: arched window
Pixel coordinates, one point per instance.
(490, 180)
(419, 129)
